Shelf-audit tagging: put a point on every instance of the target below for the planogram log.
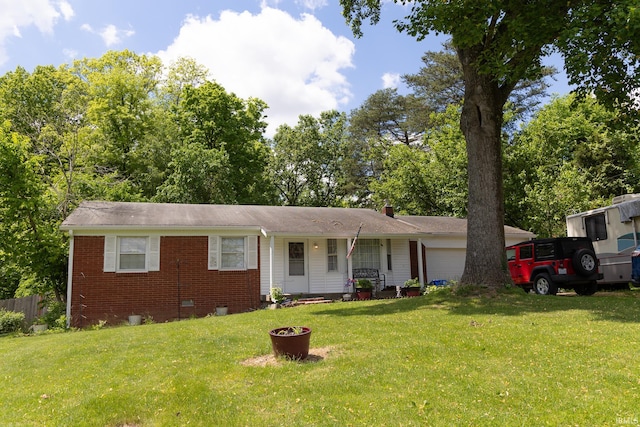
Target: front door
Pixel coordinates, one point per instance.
(296, 276)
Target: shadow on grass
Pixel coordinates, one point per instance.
(621, 306)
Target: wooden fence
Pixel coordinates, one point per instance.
(28, 305)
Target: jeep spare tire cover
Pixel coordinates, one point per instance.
(585, 262)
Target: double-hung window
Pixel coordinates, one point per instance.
(367, 254)
(132, 253)
(233, 252)
(332, 255)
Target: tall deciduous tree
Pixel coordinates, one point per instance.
(499, 44)
(569, 158)
(121, 85)
(307, 160)
(232, 130)
(429, 178)
(29, 232)
(440, 83)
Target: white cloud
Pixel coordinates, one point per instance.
(390, 80)
(70, 53)
(294, 65)
(111, 35)
(312, 4)
(44, 14)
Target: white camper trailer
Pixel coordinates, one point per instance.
(614, 232)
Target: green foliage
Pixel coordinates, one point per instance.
(306, 165)
(500, 44)
(211, 119)
(111, 128)
(431, 178)
(10, 321)
(412, 283)
(277, 296)
(55, 315)
(439, 83)
(364, 284)
(571, 157)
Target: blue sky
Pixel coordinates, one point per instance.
(299, 56)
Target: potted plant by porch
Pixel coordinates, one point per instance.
(412, 287)
(291, 342)
(363, 288)
(277, 296)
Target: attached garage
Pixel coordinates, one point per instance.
(444, 264)
(444, 245)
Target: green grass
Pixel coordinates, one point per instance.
(439, 360)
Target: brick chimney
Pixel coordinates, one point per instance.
(388, 210)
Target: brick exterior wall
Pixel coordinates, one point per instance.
(114, 296)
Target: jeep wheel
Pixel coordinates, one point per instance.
(543, 285)
(585, 262)
(586, 290)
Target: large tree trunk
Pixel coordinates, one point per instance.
(481, 124)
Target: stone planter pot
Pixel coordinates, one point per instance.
(135, 319)
(289, 343)
(40, 328)
(221, 310)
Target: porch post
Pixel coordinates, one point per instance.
(349, 263)
(272, 250)
(420, 265)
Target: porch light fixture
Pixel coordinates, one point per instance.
(315, 245)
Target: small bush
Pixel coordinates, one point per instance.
(55, 315)
(10, 321)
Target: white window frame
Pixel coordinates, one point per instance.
(250, 249)
(332, 256)
(112, 245)
(370, 259)
(119, 254)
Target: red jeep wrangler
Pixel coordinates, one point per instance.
(545, 265)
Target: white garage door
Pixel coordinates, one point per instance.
(445, 264)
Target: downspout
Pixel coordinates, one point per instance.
(420, 265)
(635, 232)
(69, 279)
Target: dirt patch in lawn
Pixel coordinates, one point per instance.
(315, 355)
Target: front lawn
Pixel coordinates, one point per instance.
(437, 360)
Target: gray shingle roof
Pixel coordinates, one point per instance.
(450, 225)
(273, 220)
(338, 222)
